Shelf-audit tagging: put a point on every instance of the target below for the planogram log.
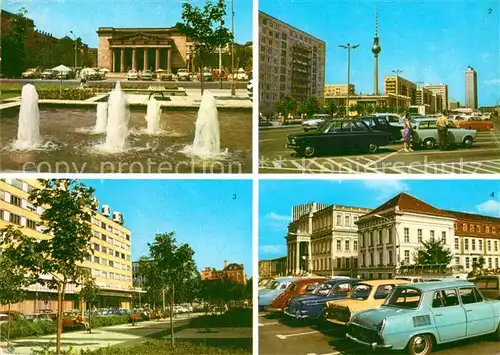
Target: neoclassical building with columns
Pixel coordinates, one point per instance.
(123, 49)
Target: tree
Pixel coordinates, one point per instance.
(477, 267)
(68, 206)
(432, 252)
(310, 106)
(287, 105)
(167, 267)
(331, 108)
(89, 293)
(205, 28)
(13, 37)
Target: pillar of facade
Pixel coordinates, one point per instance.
(122, 60)
(146, 61)
(112, 69)
(309, 258)
(134, 53)
(297, 258)
(157, 59)
(169, 60)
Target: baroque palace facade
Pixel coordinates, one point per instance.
(110, 263)
(332, 240)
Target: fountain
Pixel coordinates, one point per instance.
(28, 131)
(118, 117)
(153, 115)
(101, 117)
(207, 132)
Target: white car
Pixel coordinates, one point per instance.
(183, 74)
(132, 75)
(146, 75)
(241, 75)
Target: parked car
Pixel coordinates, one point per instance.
(132, 75)
(146, 75)
(296, 288)
(489, 286)
(277, 287)
(364, 295)
(337, 136)
(476, 123)
(31, 73)
(207, 75)
(241, 74)
(425, 134)
(316, 121)
(263, 282)
(183, 74)
(313, 306)
(416, 317)
(166, 76)
(218, 76)
(392, 118)
(48, 74)
(15, 315)
(380, 123)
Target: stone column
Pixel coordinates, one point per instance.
(146, 61)
(157, 59)
(134, 53)
(169, 60)
(309, 257)
(112, 69)
(122, 60)
(297, 258)
(288, 258)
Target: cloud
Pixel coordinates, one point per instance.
(490, 207)
(385, 189)
(278, 217)
(272, 248)
(492, 82)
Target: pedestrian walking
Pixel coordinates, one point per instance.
(442, 125)
(407, 133)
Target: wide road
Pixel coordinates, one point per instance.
(184, 84)
(482, 158)
(278, 338)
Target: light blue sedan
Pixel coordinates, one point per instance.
(417, 316)
(274, 289)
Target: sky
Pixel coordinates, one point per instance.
(431, 41)
(276, 198)
(83, 17)
(213, 216)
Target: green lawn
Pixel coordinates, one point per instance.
(234, 318)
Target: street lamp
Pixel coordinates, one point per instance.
(398, 256)
(74, 38)
(348, 46)
(397, 71)
(233, 85)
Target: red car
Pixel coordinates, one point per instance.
(474, 123)
(296, 288)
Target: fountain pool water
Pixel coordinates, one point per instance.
(207, 132)
(118, 117)
(101, 117)
(28, 131)
(153, 115)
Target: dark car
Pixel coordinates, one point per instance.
(336, 136)
(313, 306)
(378, 123)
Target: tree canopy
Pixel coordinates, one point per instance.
(433, 252)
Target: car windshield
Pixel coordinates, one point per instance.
(323, 289)
(404, 297)
(133, 71)
(146, 72)
(273, 285)
(360, 292)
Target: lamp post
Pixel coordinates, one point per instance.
(74, 38)
(397, 72)
(348, 46)
(398, 256)
(233, 85)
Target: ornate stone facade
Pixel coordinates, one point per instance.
(122, 49)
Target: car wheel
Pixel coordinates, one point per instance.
(372, 147)
(420, 345)
(467, 142)
(497, 333)
(429, 143)
(322, 320)
(309, 151)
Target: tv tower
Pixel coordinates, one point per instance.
(376, 50)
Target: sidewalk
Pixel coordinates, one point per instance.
(100, 337)
(214, 333)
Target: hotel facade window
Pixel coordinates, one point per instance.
(419, 235)
(407, 235)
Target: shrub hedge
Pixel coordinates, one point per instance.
(125, 85)
(67, 94)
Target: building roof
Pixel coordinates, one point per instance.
(474, 217)
(233, 266)
(407, 203)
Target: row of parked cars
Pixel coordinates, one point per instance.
(184, 75)
(369, 133)
(411, 313)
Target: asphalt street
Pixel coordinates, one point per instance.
(275, 337)
(184, 84)
(482, 158)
